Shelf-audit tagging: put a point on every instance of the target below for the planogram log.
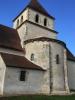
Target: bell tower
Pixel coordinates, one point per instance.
(34, 21)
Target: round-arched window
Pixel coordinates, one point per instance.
(37, 18)
(45, 22)
(21, 19)
(17, 22)
(57, 59)
(32, 57)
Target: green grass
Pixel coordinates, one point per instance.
(72, 90)
(39, 97)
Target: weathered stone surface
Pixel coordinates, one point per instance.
(28, 31)
(34, 81)
(50, 22)
(25, 17)
(71, 74)
(65, 71)
(2, 74)
(45, 55)
(11, 51)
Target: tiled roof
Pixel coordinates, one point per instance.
(35, 5)
(9, 38)
(19, 61)
(70, 56)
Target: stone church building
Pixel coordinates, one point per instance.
(32, 59)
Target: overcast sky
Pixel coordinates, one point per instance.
(62, 10)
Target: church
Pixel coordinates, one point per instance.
(32, 59)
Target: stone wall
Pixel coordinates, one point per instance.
(45, 56)
(2, 74)
(71, 74)
(22, 31)
(30, 31)
(65, 71)
(40, 51)
(11, 51)
(50, 21)
(30, 14)
(25, 17)
(35, 82)
(36, 31)
(57, 69)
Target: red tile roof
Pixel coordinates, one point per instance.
(9, 38)
(35, 5)
(19, 61)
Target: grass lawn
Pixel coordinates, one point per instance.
(39, 97)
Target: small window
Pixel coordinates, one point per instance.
(17, 22)
(21, 19)
(32, 57)
(22, 75)
(57, 59)
(37, 18)
(45, 22)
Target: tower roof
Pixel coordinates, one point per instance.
(35, 5)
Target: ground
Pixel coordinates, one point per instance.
(40, 97)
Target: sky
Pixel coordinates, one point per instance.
(62, 10)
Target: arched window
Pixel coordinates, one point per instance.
(37, 18)
(17, 22)
(57, 59)
(45, 22)
(32, 57)
(21, 19)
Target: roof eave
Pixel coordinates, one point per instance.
(26, 68)
(70, 59)
(20, 13)
(38, 25)
(33, 9)
(42, 12)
